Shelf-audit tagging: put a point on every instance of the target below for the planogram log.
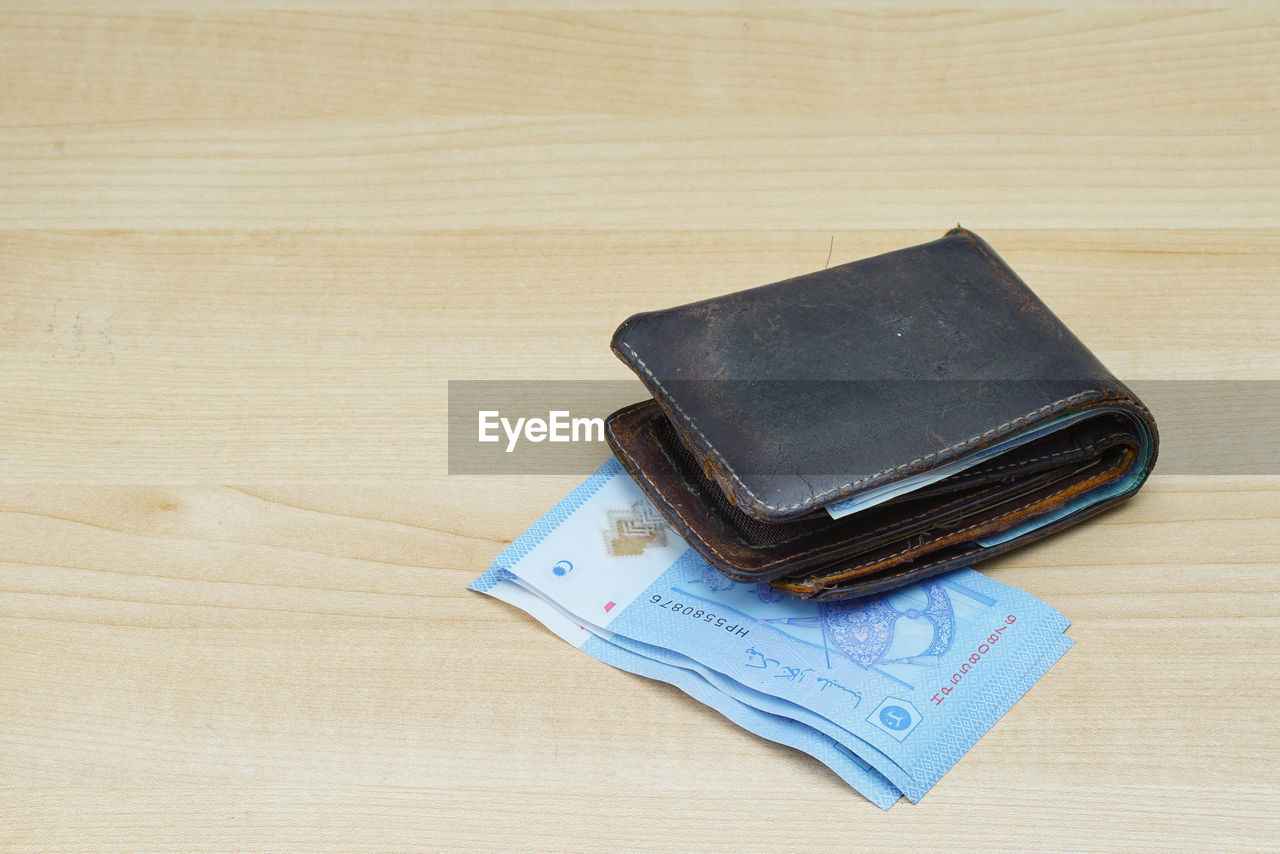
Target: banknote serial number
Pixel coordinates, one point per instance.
(693, 612)
(973, 660)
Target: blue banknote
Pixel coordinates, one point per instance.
(501, 584)
(908, 681)
(767, 703)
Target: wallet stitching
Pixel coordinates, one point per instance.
(791, 558)
(950, 505)
(681, 516)
(854, 569)
(813, 499)
(711, 546)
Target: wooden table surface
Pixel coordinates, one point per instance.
(242, 252)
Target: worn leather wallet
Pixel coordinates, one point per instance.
(873, 424)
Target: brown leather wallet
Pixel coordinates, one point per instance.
(873, 424)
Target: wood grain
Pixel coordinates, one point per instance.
(615, 118)
(264, 355)
(242, 253)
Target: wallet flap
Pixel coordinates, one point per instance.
(800, 394)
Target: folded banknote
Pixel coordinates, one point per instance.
(501, 584)
(889, 691)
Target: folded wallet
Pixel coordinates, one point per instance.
(873, 424)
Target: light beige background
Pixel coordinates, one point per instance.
(243, 251)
